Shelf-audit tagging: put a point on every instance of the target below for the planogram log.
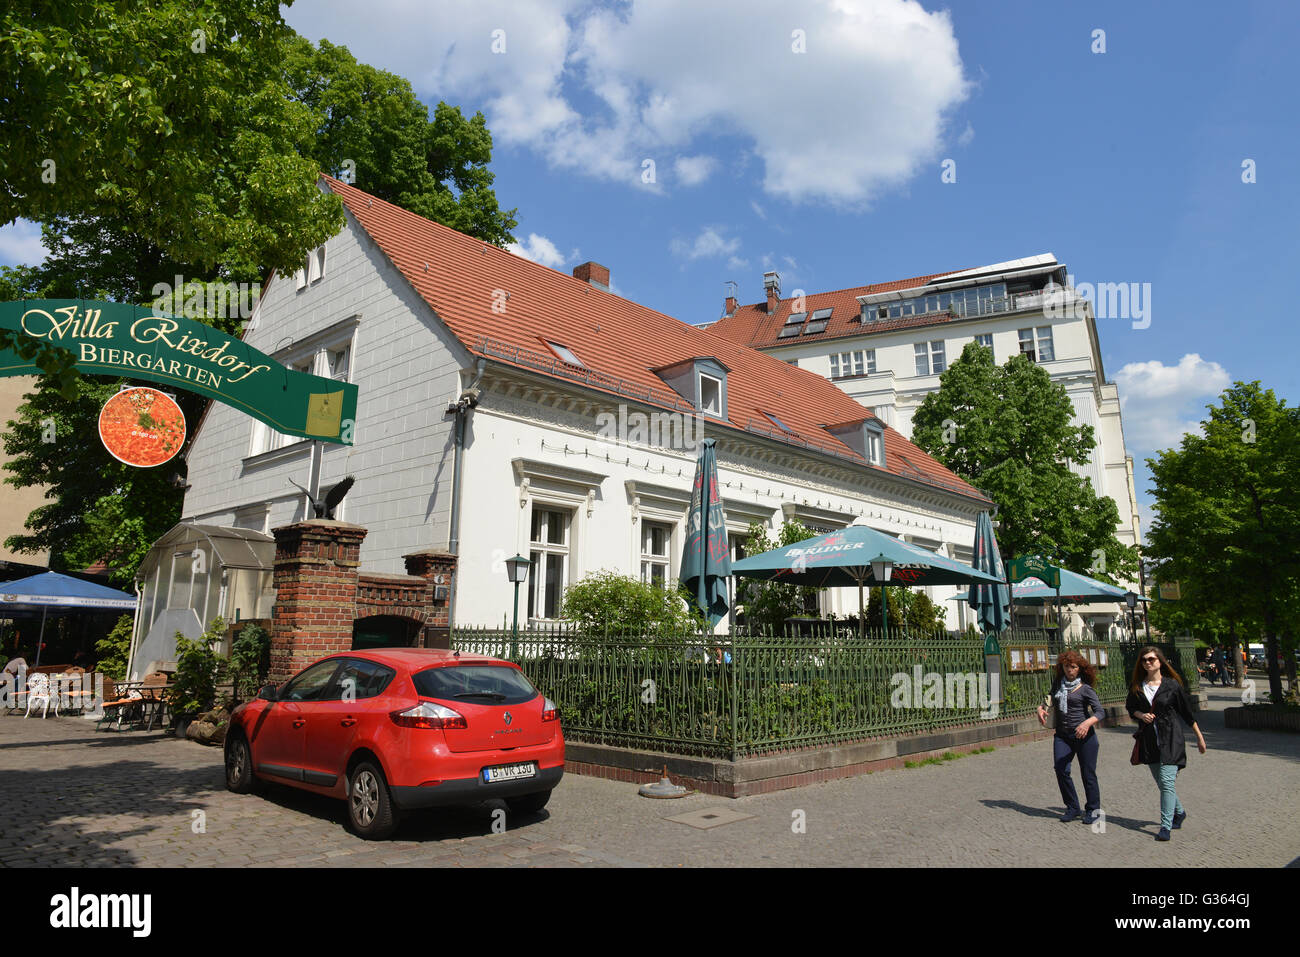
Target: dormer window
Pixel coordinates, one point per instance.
(710, 395)
(874, 433)
(701, 381)
(866, 437)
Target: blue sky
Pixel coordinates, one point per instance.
(826, 164)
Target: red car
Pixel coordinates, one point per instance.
(397, 729)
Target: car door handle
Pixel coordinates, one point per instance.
(299, 722)
(348, 722)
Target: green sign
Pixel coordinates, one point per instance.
(112, 338)
(1033, 566)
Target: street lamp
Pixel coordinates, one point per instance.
(1131, 599)
(517, 569)
(881, 569)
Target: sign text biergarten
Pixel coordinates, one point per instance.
(110, 338)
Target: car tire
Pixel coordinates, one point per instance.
(528, 803)
(371, 812)
(239, 766)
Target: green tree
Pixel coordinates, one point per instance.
(1006, 430)
(767, 604)
(1227, 508)
(198, 667)
(113, 651)
(605, 603)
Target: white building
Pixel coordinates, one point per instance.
(886, 344)
(581, 412)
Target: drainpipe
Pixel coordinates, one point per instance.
(461, 409)
(135, 628)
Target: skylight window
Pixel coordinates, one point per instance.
(778, 423)
(566, 354)
(822, 314)
(814, 325)
(787, 332)
(795, 317)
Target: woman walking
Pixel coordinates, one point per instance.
(1156, 696)
(1078, 710)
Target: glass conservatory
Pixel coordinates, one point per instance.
(190, 576)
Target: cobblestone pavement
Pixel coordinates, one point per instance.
(74, 797)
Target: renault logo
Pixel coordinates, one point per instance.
(507, 717)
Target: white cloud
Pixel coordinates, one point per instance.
(20, 244)
(708, 244)
(1161, 403)
(540, 250)
(693, 170)
(758, 210)
(599, 90)
(735, 262)
(966, 136)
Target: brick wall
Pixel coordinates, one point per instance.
(321, 591)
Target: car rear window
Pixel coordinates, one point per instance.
(477, 684)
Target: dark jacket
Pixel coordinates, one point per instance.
(1161, 741)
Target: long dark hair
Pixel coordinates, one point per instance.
(1087, 671)
(1140, 671)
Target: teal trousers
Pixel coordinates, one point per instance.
(1166, 776)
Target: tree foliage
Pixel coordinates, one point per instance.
(1227, 524)
(1006, 430)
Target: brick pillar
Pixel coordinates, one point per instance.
(316, 568)
(439, 568)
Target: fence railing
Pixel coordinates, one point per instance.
(741, 694)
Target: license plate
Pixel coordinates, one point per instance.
(509, 772)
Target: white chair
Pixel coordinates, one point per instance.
(38, 688)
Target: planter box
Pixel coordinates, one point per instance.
(1262, 719)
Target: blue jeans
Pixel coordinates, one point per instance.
(1063, 751)
(1166, 776)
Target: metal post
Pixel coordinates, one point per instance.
(514, 640)
(884, 619)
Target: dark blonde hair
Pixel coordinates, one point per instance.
(1140, 671)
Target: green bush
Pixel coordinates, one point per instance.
(198, 666)
(250, 660)
(114, 651)
(605, 603)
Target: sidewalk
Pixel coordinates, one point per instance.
(81, 798)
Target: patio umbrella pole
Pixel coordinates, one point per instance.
(862, 613)
(41, 640)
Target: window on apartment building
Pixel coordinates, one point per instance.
(337, 362)
(845, 364)
(655, 538)
(1036, 344)
(875, 447)
(986, 341)
(549, 550)
(929, 357)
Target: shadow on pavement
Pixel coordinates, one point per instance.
(1005, 805)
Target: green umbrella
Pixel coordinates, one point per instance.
(989, 602)
(706, 558)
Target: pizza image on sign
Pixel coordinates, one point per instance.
(142, 427)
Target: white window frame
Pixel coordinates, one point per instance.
(1037, 336)
(938, 357)
(314, 360)
(716, 413)
(651, 559)
(979, 340)
(539, 551)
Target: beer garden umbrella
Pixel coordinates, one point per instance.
(706, 557)
(860, 556)
(52, 590)
(989, 602)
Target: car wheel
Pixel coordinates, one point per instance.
(370, 807)
(239, 766)
(528, 803)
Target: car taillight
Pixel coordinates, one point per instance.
(426, 714)
(549, 711)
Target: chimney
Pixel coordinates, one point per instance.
(732, 303)
(772, 283)
(593, 273)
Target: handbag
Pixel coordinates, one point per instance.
(1136, 756)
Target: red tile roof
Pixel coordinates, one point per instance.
(619, 342)
(752, 326)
